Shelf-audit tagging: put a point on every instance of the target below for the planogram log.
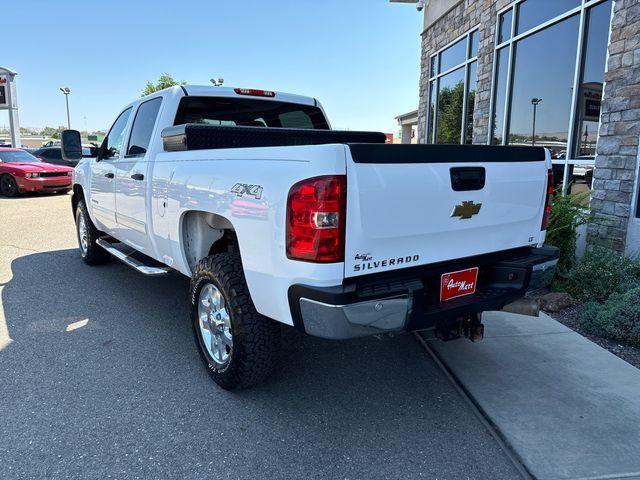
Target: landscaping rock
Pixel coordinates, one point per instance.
(556, 301)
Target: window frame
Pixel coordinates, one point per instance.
(510, 43)
(434, 80)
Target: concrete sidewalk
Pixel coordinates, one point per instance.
(569, 409)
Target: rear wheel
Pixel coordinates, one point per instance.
(8, 186)
(90, 251)
(238, 345)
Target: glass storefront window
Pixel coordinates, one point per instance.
(532, 13)
(544, 69)
(450, 104)
(452, 91)
(543, 65)
(475, 40)
(504, 28)
(454, 55)
(502, 59)
(471, 98)
(432, 110)
(591, 80)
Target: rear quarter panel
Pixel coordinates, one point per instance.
(202, 181)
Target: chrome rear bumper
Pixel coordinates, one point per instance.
(354, 320)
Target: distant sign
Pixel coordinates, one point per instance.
(3, 92)
(592, 101)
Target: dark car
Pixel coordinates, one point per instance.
(54, 155)
(29, 150)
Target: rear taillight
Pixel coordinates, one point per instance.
(316, 211)
(547, 201)
(254, 92)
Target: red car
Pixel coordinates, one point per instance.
(21, 172)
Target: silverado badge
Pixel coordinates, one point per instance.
(466, 210)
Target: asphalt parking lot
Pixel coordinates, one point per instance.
(100, 378)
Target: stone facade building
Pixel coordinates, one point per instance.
(564, 74)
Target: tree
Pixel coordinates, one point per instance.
(450, 102)
(50, 132)
(165, 81)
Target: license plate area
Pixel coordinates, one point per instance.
(458, 284)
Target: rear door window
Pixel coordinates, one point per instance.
(142, 128)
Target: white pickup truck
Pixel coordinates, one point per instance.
(278, 219)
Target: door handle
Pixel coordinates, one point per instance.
(137, 176)
(109, 175)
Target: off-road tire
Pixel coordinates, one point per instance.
(256, 339)
(93, 254)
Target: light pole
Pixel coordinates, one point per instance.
(66, 92)
(217, 82)
(534, 101)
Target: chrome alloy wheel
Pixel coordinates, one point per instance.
(82, 234)
(215, 324)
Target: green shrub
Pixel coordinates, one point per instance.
(600, 273)
(617, 319)
(567, 213)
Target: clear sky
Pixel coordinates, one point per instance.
(360, 58)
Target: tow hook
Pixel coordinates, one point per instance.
(469, 326)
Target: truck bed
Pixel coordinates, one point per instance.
(201, 137)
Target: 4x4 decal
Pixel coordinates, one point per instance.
(241, 189)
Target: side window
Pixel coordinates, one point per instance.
(52, 156)
(143, 127)
(114, 140)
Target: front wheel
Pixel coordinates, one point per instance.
(87, 233)
(238, 345)
(8, 186)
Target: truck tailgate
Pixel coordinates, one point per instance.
(410, 205)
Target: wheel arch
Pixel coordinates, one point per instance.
(205, 233)
(77, 195)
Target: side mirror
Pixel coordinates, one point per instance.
(71, 145)
(94, 151)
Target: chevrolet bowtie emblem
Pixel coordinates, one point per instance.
(466, 210)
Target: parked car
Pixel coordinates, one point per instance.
(53, 155)
(29, 149)
(21, 172)
(336, 233)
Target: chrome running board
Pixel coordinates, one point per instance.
(132, 262)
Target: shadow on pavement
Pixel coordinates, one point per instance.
(30, 195)
(103, 378)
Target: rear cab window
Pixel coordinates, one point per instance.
(249, 112)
